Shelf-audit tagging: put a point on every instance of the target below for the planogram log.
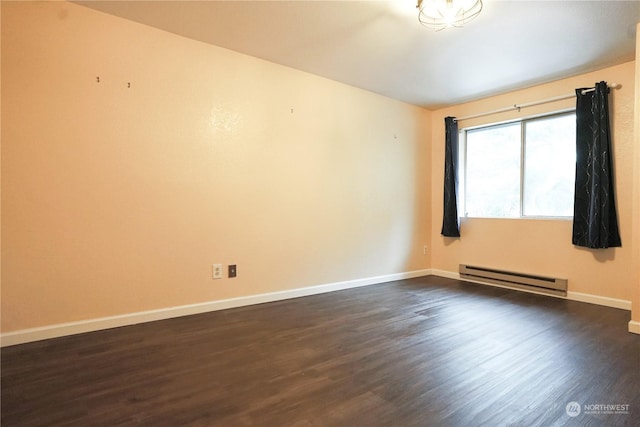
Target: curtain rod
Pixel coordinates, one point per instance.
(531, 104)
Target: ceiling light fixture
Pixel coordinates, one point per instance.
(441, 14)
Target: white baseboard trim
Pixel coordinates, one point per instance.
(91, 325)
(573, 296)
(596, 299)
(634, 327)
(445, 273)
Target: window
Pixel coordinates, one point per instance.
(519, 169)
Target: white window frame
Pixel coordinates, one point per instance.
(462, 165)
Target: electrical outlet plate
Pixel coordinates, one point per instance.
(425, 250)
(217, 271)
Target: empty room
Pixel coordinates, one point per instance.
(320, 213)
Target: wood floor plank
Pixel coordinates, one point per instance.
(419, 352)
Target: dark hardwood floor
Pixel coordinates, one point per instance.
(420, 352)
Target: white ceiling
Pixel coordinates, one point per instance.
(381, 47)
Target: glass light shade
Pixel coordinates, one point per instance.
(441, 14)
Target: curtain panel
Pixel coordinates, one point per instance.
(595, 222)
(450, 222)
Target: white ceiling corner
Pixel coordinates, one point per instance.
(381, 47)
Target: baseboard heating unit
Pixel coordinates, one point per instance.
(532, 282)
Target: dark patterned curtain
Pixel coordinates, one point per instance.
(450, 225)
(595, 223)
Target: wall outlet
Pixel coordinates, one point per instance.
(425, 250)
(217, 271)
(232, 270)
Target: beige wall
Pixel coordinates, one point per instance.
(544, 246)
(117, 200)
(635, 313)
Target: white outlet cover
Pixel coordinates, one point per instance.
(217, 271)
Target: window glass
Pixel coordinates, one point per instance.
(493, 172)
(550, 164)
(520, 169)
